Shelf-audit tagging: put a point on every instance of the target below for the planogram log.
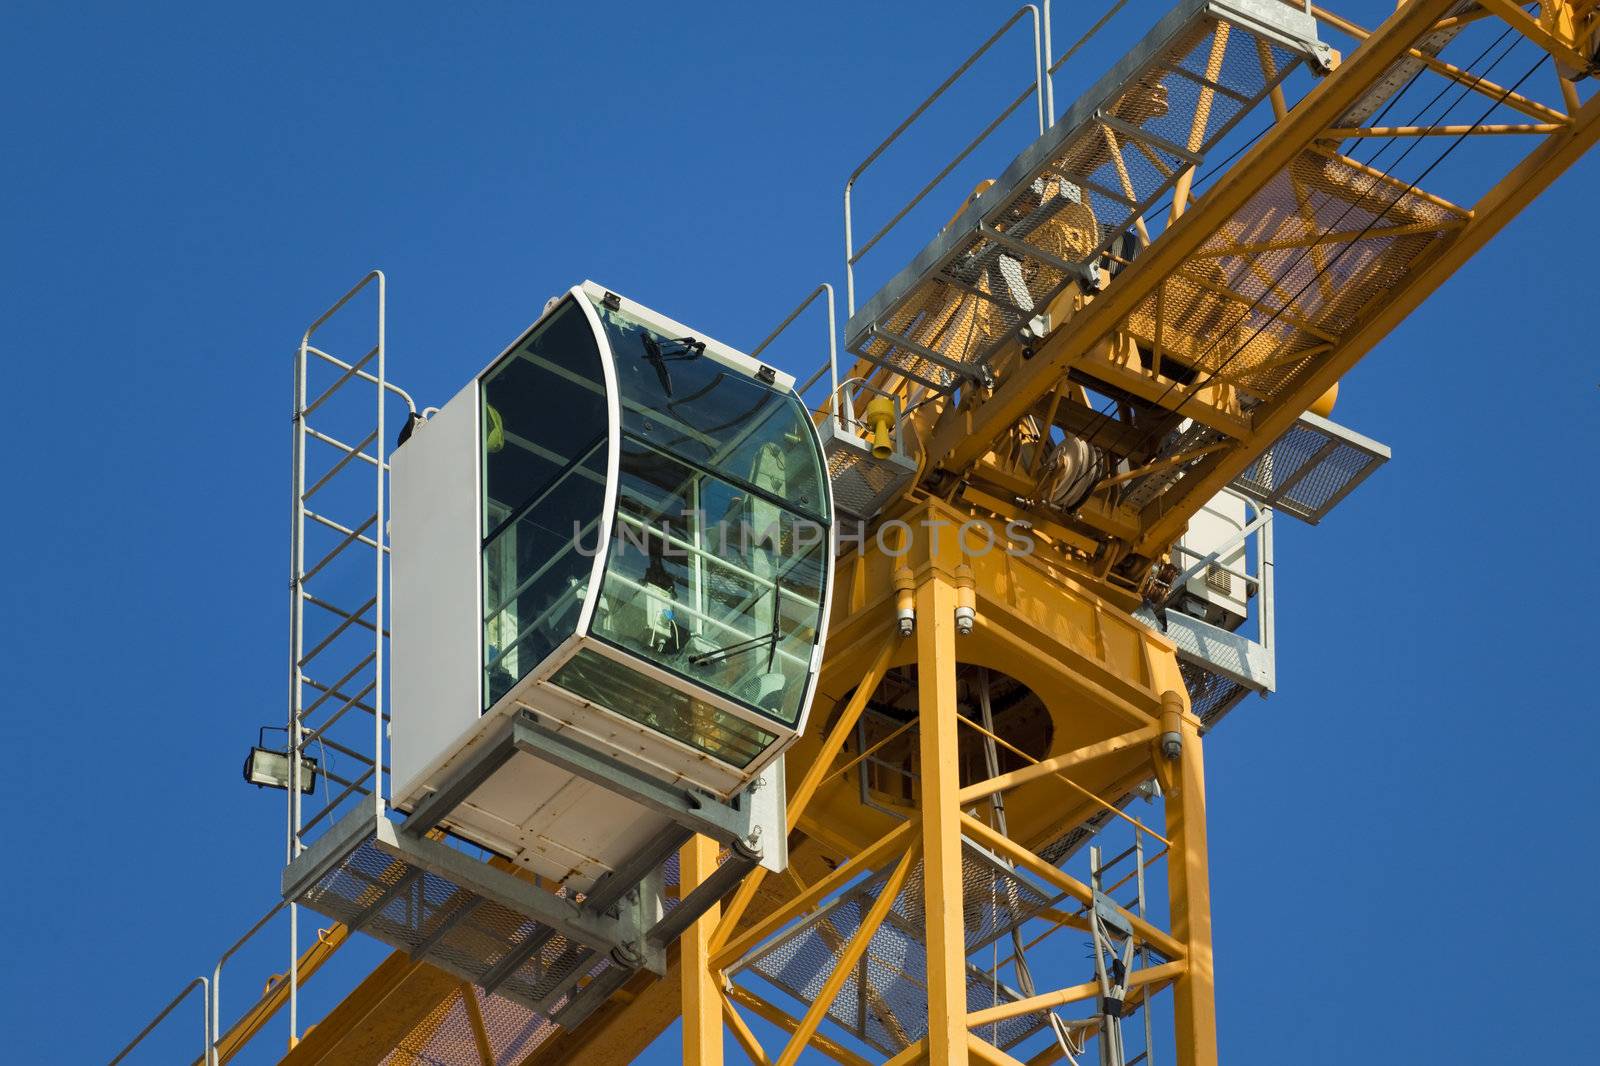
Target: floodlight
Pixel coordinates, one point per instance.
(266, 768)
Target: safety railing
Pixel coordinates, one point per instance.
(166, 1012)
(216, 978)
(224, 1037)
(1222, 666)
(830, 367)
(1040, 90)
(844, 396)
(1046, 66)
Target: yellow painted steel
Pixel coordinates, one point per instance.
(1052, 611)
(960, 440)
(395, 999)
(702, 1004)
(941, 818)
(1103, 677)
(847, 960)
(1188, 882)
(760, 1007)
(480, 1031)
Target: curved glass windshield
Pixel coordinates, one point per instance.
(544, 427)
(719, 553)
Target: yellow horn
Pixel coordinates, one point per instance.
(880, 421)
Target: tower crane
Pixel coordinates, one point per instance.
(855, 783)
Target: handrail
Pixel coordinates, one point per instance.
(222, 1044)
(1041, 91)
(216, 972)
(832, 366)
(205, 1019)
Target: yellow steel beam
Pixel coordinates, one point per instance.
(1095, 800)
(815, 774)
(1443, 131)
(941, 820)
(702, 1008)
(1531, 108)
(1012, 779)
(1074, 994)
(1189, 891)
(1008, 848)
(480, 1031)
(364, 1029)
(1497, 207)
(914, 1053)
(742, 1032)
(980, 1050)
(1052, 1051)
(781, 1018)
(1540, 31)
(844, 968)
(962, 437)
(887, 845)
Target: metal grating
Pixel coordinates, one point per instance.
(862, 485)
(1070, 842)
(1211, 695)
(446, 1034)
(1309, 469)
(433, 918)
(1141, 491)
(1067, 200)
(884, 1001)
(1277, 286)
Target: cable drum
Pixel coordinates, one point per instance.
(1072, 470)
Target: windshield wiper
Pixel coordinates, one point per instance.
(739, 647)
(690, 348)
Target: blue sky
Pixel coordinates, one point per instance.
(1397, 836)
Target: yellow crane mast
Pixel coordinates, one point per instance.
(1033, 621)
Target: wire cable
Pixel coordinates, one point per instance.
(1176, 413)
(1104, 416)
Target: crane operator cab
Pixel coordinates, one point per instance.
(619, 534)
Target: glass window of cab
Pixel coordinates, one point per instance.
(545, 436)
(718, 558)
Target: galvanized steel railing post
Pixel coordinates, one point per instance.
(1045, 105)
(379, 534)
(832, 368)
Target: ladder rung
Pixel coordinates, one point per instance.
(350, 371)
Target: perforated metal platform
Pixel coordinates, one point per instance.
(884, 1002)
(474, 919)
(555, 952)
(862, 484)
(1309, 469)
(1072, 196)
